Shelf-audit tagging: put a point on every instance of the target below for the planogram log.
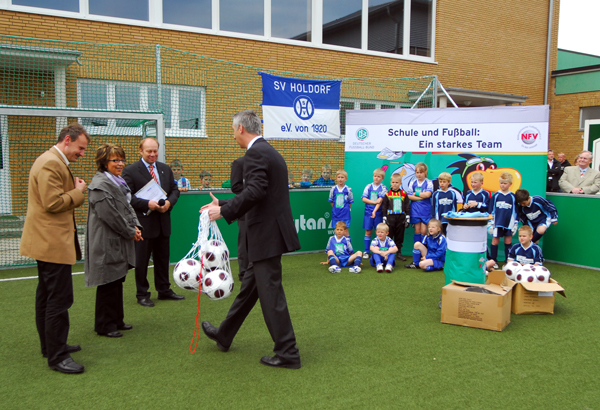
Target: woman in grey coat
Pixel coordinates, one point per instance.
(112, 228)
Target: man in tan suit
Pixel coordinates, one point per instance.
(50, 237)
(581, 179)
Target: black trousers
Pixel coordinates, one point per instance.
(262, 281)
(159, 249)
(109, 307)
(242, 246)
(53, 298)
(396, 224)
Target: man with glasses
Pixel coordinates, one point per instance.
(581, 179)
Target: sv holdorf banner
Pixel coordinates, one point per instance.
(300, 109)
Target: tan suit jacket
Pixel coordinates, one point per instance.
(571, 178)
(50, 233)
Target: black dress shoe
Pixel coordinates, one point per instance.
(277, 361)
(68, 366)
(402, 258)
(146, 302)
(171, 296)
(111, 334)
(211, 332)
(125, 327)
(70, 349)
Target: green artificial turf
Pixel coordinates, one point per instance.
(367, 341)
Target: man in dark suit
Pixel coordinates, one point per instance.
(156, 221)
(554, 173)
(237, 185)
(270, 233)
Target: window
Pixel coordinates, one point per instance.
(588, 113)
(347, 104)
(291, 19)
(183, 107)
(243, 16)
(130, 9)
(193, 13)
(65, 5)
(342, 22)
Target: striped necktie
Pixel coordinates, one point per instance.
(151, 167)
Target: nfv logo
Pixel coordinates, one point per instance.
(309, 224)
(529, 136)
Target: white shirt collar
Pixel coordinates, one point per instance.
(253, 141)
(147, 164)
(62, 154)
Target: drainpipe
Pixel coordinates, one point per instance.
(548, 45)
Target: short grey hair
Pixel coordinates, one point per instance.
(249, 120)
(590, 155)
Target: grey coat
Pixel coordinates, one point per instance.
(109, 247)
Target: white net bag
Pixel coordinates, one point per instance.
(206, 266)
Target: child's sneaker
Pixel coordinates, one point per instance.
(366, 255)
(411, 266)
(380, 268)
(389, 268)
(335, 269)
(355, 269)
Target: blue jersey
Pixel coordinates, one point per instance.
(532, 254)
(373, 192)
(420, 209)
(503, 208)
(323, 182)
(436, 247)
(384, 245)
(540, 211)
(340, 246)
(482, 198)
(341, 198)
(183, 182)
(444, 201)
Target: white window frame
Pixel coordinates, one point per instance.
(155, 20)
(173, 131)
(377, 103)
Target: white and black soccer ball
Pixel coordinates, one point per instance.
(511, 269)
(525, 275)
(217, 284)
(187, 274)
(542, 274)
(214, 256)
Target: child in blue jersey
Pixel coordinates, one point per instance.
(341, 199)
(325, 178)
(477, 199)
(444, 200)
(383, 249)
(340, 253)
(419, 192)
(305, 178)
(372, 196)
(183, 184)
(503, 208)
(431, 253)
(535, 211)
(526, 252)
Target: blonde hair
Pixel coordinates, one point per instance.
(435, 222)
(396, 176)
(379, 171)
(421, 167)
(526, 229)
(382, 227)
(307, 172)
(445, 176)
(506, 177)
(341, 171)
(340, 224)
(478, 176)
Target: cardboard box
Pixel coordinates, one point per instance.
(461, 306)
(535, 298)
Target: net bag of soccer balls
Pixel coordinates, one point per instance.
(206, 266)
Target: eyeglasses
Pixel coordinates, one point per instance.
(118, 160)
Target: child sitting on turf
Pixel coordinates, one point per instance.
(477, 199)
(183, 184)
(395, 209)
(503, 208)
(526, 251)
(340, 252)
(419, 192)
(372, 196)
(383, 249)
(341, 199)
(535, 211)
(444, 200)
(431, 254)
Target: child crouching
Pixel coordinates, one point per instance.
(431, 253)
(383, 249)
(340, 253)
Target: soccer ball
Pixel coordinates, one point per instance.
(214, 256)
(490, 228)
(217, 284)
(525, 275)
(542, 274)
(512, 268)
(188, 274)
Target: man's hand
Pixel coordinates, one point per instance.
(138, 235)
(80, 184)
(165, 207)
(577, 191)
(153, 205)
(214, 210)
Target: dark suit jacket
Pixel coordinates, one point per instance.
(156, 223)
(265, 201)
(554, 174)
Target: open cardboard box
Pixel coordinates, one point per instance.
(462, 306)
(535, 298)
